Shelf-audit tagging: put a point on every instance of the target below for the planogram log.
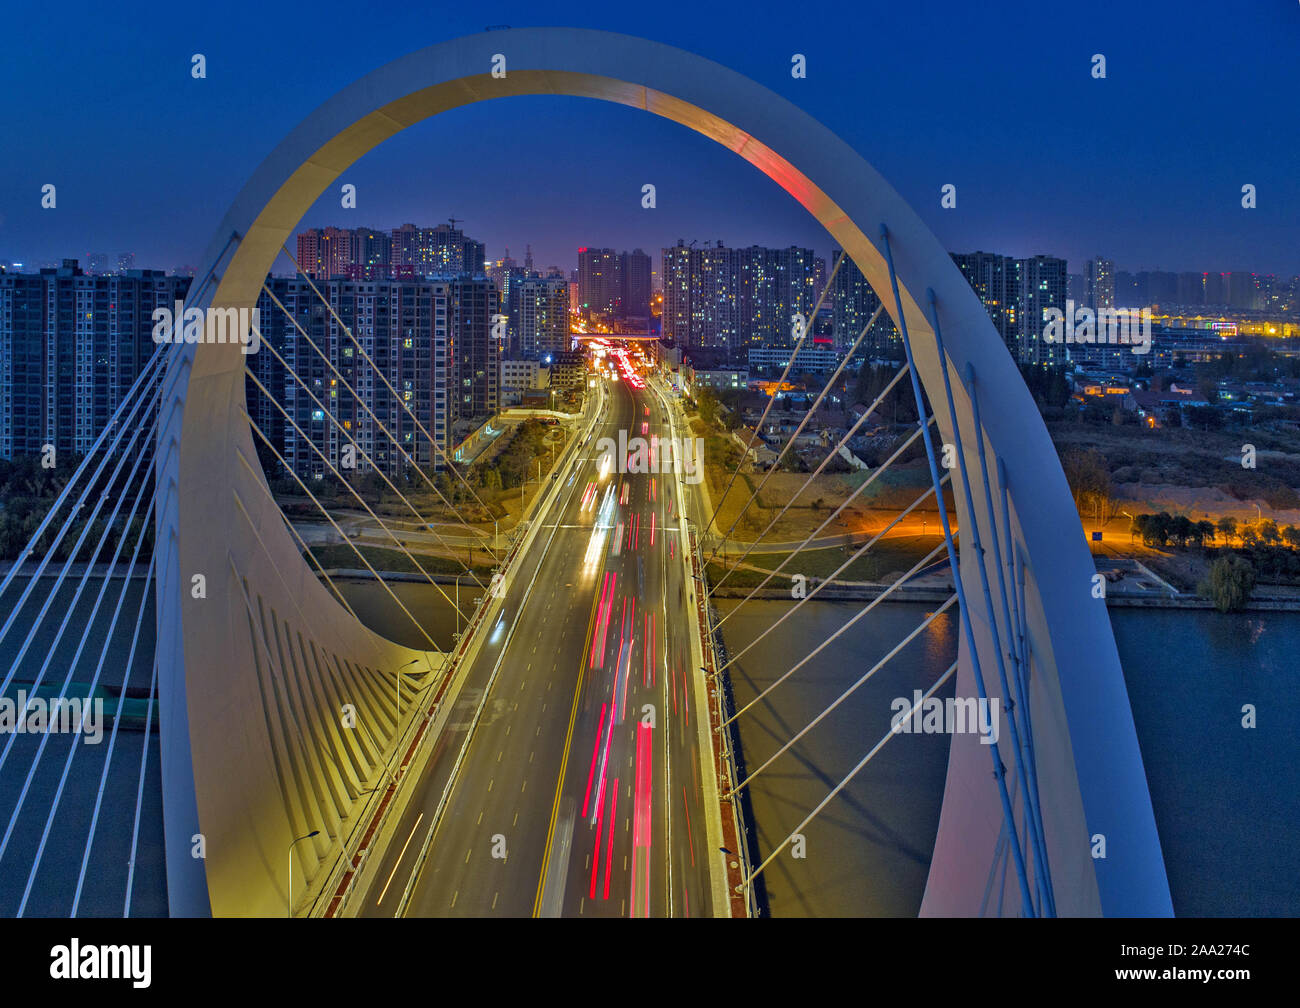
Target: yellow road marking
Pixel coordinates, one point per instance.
(568, 743)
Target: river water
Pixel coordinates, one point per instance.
(1226, 798)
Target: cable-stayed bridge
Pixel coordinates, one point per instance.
(570, 752)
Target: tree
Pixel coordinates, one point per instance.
(1228, 526)
(1205, 533)
(1089, 479)
(1292, 536)
(1268, 533)
(1249, 536)
(1154, 529)
(708, 406)
(1181, 529)
(1205, 417)
(1229, 583)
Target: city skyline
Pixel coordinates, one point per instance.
(1170, 201)
(285, 268)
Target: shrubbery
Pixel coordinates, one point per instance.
(1229, 584)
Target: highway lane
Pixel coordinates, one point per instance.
(580, 791)
(411, 829)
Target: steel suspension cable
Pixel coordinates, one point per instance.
(130, 398)
(812, 535)
(320, 507)
(848, 692)
(112, 448)
(112, 741)
(139, 791)
(786, 614)
(794, 352)
(384, 378)
(94, 681)
(845, 782)
(67, 567)
(812, 411)
(364, 403)
(144, 483)
(1013, 709)
(351, 489)
(848, 436)
(920, 564)
(999, 769)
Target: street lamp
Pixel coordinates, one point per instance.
(289, 898)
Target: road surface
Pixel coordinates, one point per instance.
(580, 792)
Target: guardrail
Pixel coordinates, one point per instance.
(734, 832)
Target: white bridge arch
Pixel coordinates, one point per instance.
(242, 705)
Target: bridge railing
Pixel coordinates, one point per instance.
(723, 757)
(347, 869)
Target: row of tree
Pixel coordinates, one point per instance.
(98, 546)
(1163, 529)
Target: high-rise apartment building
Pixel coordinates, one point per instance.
(341, 395)
(724, 298)
(413, 358)
(71, 347)
(508, 278)
(370, 255)
(325, 253)
(1099, 283)
(675, 272)
(600, 281)
(996, 280)
(634, 269)
(477, 351)
(853, 303)
(714, 299)
(774, 286)
(1017, 293)
(1042, 286)
(540, 316)
(404, 253)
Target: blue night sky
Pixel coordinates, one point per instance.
(1145, 167)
